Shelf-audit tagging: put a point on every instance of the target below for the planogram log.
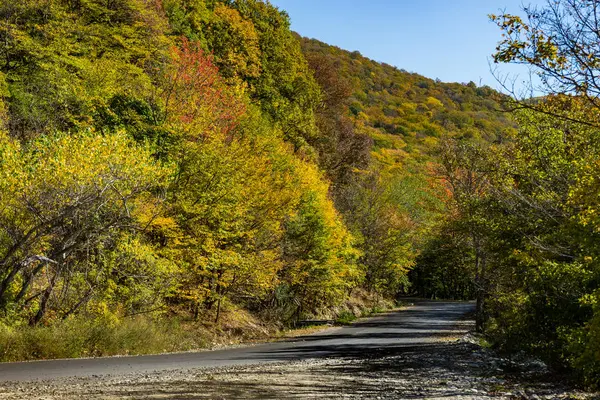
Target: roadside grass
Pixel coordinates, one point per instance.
(81, 337)
(295, 332)
(361, 305)
(484, 342)
(85, 336)
(345, 318)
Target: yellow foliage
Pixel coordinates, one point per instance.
(433, 103)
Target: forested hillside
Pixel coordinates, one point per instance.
(178, 156)
(410, 119)
(171, 167)
(407, 111)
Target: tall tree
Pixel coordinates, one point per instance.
(466, 168)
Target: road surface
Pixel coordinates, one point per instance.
(423, 323)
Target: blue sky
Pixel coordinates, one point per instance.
(447, 39)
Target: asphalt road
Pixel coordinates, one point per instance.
(421, 324)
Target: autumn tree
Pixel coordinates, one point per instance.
(66, 202)
(253, 44)
(548, 287)
(342, 150)
(318, 250)
(467, 170)
(560, 43)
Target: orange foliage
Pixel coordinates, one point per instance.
(197, 96)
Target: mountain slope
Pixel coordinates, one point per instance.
(409, 112)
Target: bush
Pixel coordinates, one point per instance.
(583, 351)
(345, 318)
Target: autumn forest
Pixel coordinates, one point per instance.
(176, 169)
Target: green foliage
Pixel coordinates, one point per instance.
(526, 210)
(321, 266)
(444, 268)
(285, 88)
(345, 318)
(64, 63)
(546, 262)
(583, 347)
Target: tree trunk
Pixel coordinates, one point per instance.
(480, 288)
(44, 301)
(4, 284)
(218, 310)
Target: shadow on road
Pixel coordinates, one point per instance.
(437, 370)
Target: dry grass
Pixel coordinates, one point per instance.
(81, 337)
(94, 337)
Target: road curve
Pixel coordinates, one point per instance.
(422, 323)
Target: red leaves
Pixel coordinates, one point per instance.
(197, 95)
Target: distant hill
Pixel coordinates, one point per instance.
(408, 112)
